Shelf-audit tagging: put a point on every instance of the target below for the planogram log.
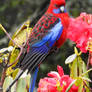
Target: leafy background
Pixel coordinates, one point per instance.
(14, 12)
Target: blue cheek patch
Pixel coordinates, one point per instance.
(56, 11)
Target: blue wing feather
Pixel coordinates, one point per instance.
(52, 36)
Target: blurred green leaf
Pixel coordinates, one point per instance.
(14, 3)
(27, 80)
(73, 69)
(80, 66)
(13, 56)
(7, 82)
(1, 32)
(21, 85)
(80, 84)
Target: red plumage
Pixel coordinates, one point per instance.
(65, 22)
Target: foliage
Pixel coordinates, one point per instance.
(22, 84)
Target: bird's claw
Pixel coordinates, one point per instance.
(55, 49)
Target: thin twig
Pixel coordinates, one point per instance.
(7, 33)
(4, 72)
(87, 86)
(27, 88)
(9, 36)
(88, 61)
(3, 77)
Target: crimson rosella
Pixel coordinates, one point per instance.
(48, 33)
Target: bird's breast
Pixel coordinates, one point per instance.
(62, 39)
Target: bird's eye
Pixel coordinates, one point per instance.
(62, 8)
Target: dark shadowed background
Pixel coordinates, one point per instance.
(14, 12)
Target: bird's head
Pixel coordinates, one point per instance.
(57, 8)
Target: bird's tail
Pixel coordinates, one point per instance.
(33, 79)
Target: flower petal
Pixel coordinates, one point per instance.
(54, 74)
(60, 70)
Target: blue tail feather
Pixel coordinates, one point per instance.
(33, 80)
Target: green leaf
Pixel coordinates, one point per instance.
(80, 87)
(77, 68)
(86, 79)
(7, 82)
(80, 66)
(15, 72)
(79, 83)
(28, 80)
(73, 69)
(13, 56)
(22, 34)
(21, 85)
(84, 68)
(1, 32)
(70, 58)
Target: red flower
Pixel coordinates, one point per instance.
(80, 31)
(58, 83)
(47, 85)
(66, 81)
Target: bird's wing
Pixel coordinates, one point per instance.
(45, 33)
(48, 27)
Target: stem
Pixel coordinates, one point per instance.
(27, 88)
(86, 72)
(87, 86)
(6, 33)
(88, 61)
(9, 36)
(3, 77)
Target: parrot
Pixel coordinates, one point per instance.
(48, 34)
